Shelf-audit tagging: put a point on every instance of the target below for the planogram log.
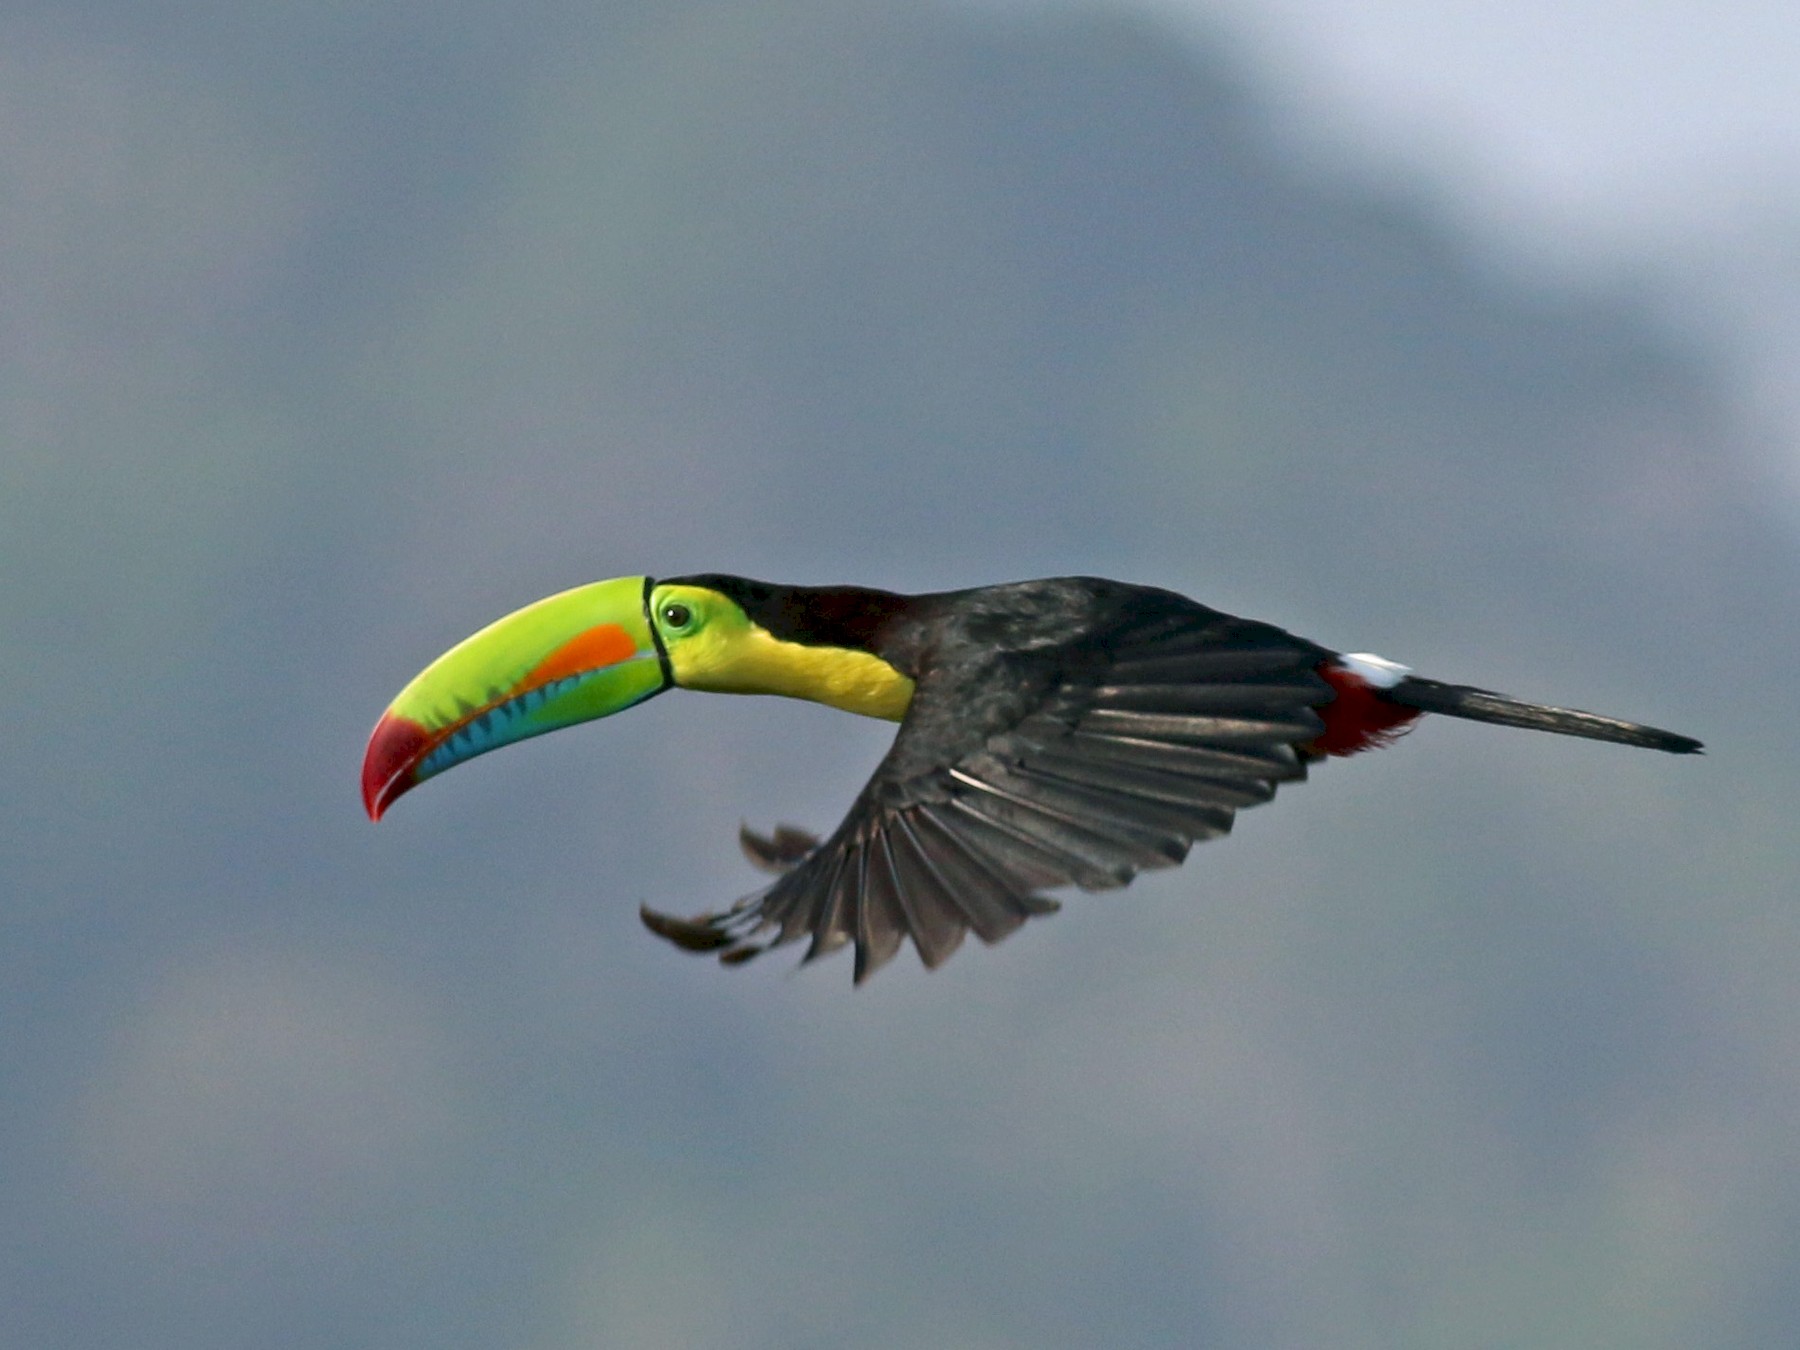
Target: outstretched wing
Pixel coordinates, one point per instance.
(1017, 771)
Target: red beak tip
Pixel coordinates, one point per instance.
(395, 748)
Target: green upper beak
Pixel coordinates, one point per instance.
(570, 658)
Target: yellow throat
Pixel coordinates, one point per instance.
(726, 653)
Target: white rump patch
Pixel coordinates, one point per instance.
(1375, 671)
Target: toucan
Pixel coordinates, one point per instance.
(1069, 731)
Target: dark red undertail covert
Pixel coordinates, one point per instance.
(1359, 718)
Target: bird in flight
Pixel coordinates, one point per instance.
(1070, 731)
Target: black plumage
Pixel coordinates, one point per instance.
(1073, 731)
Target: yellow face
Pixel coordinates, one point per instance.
(713, 645)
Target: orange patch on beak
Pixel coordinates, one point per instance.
(604, 645)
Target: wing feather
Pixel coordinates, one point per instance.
(1272, 764)
(832, 923)
(991, 904)
(1202, 792)
(1033, 847)
(933, 915)
(1178, 816)
(1202, 700)
(1229, 732)
(881, 921)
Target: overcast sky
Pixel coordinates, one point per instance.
(1584, 139)
(1582, 123)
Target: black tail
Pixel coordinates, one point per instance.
(1483, 705)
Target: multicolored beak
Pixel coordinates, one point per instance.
(583, 654)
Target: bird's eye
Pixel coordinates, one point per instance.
(677, 616)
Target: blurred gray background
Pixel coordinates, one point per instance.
(1463, 333)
